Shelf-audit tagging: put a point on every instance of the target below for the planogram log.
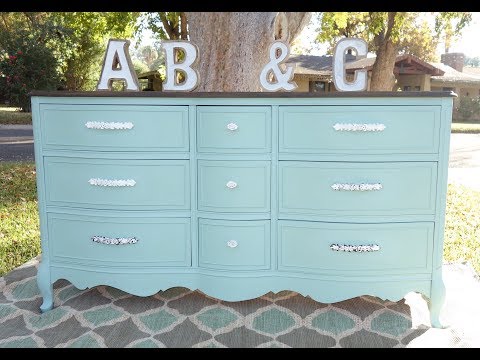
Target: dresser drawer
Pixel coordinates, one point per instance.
(118, 184)
(234, 186)
(234, 129)
(312, 246)
(234, 245)
(335, 188)
(125, 127)
(329, 129)
(92, 239)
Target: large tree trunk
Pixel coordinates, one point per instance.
(233, 46)
(383, 78)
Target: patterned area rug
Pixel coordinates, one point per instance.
(107, 317)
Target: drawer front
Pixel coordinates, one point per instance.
(329, 129)
(328, 188)
(126, 128)
(234, 186)
(395, 247)
(150, 241)
(240, 245)
(234, 129)
(118, 184)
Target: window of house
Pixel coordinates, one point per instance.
(447, 88)
(317, 86)
(411, 88)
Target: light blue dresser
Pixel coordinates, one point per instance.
(236, 195)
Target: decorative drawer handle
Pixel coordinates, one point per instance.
(232, 126)
(114, 241)
(102, 125)
(355, 248)
(108, 182)
(357, 187)
(232, 184)
(232, 244)
(359, 127)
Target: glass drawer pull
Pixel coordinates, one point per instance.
(114, 241)
(103, 125)
(232, 243)
(232, 126)
(231, 184)
(359, 127)
(355, 248)
(113, 183)
(357, 187)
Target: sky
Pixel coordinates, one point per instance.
(469, 43)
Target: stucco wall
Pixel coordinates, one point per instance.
(302, 84)
(414, 80)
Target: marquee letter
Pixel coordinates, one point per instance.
(282, 78)
(117, 65)
(360, 78)
(191, 75)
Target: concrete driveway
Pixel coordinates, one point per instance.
(16, 144)
(464, 164)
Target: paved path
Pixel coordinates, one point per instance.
(16, 144)
(464, 165)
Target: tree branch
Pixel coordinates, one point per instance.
(167, 26)
(296, 23)
(390, 24)
(183, 26)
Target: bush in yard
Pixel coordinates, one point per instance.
(468, 108)
(27, 65)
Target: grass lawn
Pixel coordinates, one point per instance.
(19, 227)
(466, 128)
(10, 115)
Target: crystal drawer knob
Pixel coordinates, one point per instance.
(232, 184)
(232, 126)
(232, 243)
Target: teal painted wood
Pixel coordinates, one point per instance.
(44, 279)
(408, 130)
(242, 286)
(278, 137)
(403, 247)
(407, 188)
(163, 128)
(234, 186)
(234, 129)
(159, 184)
(234, 245)
(158, 241)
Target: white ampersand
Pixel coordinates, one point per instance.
(283, 79)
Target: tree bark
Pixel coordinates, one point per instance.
(233, 46)
(383, 78)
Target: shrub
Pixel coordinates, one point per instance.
(27, 65)
(468, 108)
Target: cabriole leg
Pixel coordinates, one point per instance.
(437, 299)
(45, 286)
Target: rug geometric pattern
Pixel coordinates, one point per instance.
(179, 318)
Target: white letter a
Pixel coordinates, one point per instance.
(117, 65)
